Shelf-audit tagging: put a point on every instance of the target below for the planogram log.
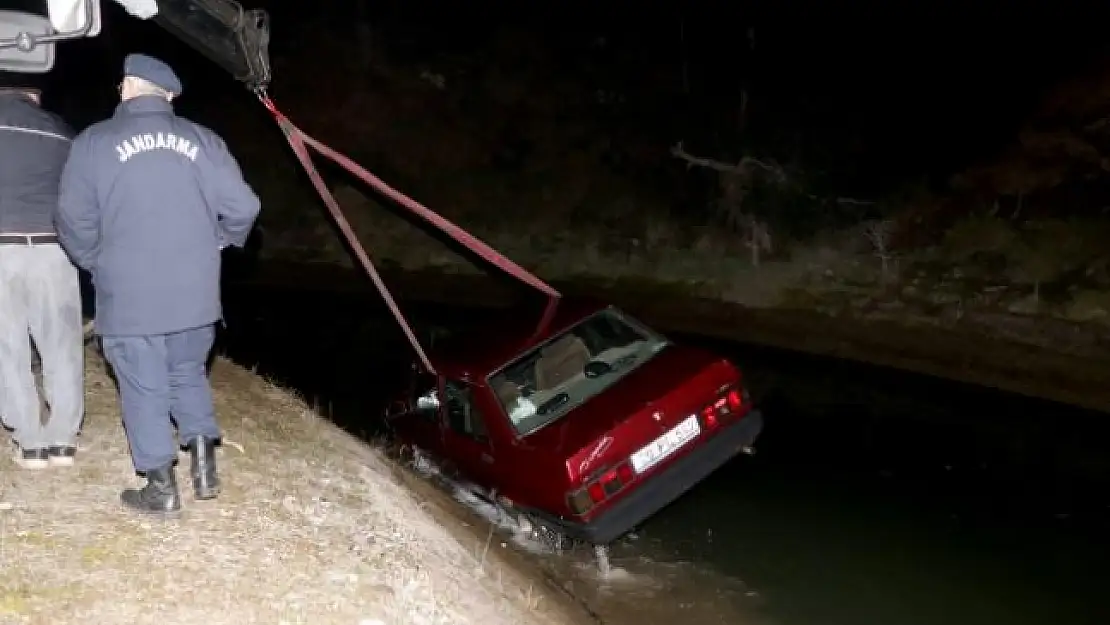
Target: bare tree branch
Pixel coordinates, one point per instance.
(742, 167)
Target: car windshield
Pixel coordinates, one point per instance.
(545, 383)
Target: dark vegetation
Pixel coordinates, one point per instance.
(732, 169)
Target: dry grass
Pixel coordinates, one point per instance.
(312, 527)
(710, 262)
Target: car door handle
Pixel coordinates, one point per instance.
(486, 458)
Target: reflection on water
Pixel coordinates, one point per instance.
(637, 589)
(856, 510)
(642, 589)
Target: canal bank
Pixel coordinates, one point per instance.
(1066, 363)
(311, 526)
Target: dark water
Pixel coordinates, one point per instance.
(874, 498)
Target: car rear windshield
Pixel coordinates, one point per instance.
(545, 383)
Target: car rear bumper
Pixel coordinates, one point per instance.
(666, 486)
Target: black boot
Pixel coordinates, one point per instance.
(159, 496)
(206, 481)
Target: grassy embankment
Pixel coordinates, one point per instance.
(313, 526)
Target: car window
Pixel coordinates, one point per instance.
(547, 382)
(463, 416)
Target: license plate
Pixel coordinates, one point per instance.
(655, 451)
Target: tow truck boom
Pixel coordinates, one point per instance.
(221, 30)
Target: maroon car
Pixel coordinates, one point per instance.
(588, 427)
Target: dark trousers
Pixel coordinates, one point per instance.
(162, 376)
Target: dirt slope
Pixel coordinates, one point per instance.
(313, 527)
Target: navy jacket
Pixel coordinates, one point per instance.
(148, 199)
(34, 144)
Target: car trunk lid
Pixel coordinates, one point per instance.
(636, 410)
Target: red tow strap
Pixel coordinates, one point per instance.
(299, 141)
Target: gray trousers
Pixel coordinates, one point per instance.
(40, 300)
(162, 377)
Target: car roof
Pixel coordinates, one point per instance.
(503, 335)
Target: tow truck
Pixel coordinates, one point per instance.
(234, 38)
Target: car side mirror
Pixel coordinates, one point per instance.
(424, 398)
(427, 402)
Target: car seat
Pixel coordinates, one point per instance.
(507, 393)
(561, 360)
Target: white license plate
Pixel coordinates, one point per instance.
(655, 451)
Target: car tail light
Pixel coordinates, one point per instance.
(727, 405)
(735, 401)
(709, 417)
(625, 473)
(597, 493)
(600, 488)
(610, 483)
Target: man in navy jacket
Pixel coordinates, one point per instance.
(148, 201)
(40, 297)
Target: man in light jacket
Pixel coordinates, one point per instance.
(40, 296)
